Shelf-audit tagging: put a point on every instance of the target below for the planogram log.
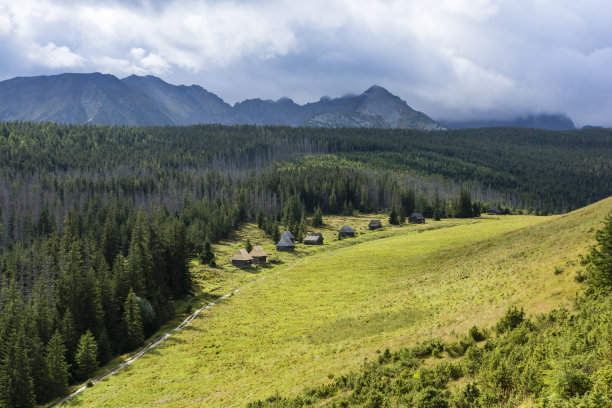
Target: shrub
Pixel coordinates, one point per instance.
(477, 334)
(511, 320)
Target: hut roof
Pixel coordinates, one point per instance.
(314, 234)
(375, 223)
(242, 255)
(287, 234)
(494, 209)
(313, 238)
(418, 216)
(285, 243)
(346, 228)
(258, 251)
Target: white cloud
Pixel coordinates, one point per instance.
(467, 57)
(53, 56)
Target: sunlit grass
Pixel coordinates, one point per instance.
(346, 299)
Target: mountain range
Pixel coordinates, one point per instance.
(147, 100)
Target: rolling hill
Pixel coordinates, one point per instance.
(323, 310)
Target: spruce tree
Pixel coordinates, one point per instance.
(465, 204)
(393, 219)
(248, 246)
(207, 257)
(261, 218)
(317, 219)
(16, 383)
(132, 322)
(600, 258)
(56, 367)
(86, 356)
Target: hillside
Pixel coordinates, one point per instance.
(541, 121)
(323, 313)
(147, 100)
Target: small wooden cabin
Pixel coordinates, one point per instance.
(285, 245)
(242, 259)
(314, 238)
(288, 236)
(375, 224)
(259, 255)
(346, 231)
(416, 218)
(494, 211)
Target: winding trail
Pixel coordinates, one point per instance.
(162, 338)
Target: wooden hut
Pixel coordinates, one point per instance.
(416, 218)
(346, 231)
(494, 211)
(314, 238)
(259, 255)
(288, 236)
(285, 245)
(375, 224)
(242, 259)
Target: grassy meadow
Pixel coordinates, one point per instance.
(322, 310)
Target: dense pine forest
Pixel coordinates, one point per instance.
(97, 224)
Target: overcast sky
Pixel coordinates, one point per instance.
(451, 59)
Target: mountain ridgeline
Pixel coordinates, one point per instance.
(147, 100)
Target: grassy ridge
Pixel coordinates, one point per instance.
(336, 307)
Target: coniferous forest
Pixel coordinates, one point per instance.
(97, 224)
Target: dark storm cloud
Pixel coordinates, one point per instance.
(452, 59)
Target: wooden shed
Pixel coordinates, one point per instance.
(346, 231)
(494, 211)
(242, 259)
(288, 236)
(285, 245)
(314, 238)
(259, 255)
(416, 218)
(375, 224)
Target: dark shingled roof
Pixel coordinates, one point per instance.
(288, 235)
(418, 216)
(285, 243)
(346, 228)
(375, 223)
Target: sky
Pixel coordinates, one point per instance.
(452, 59)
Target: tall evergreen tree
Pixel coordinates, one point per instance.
(86, 357)
(317, 218)
(600, 258)
(465, 204)
(207, 257)
(56, 367)
(16, 382)
(133, 322)
(139, 260)
(393, 218)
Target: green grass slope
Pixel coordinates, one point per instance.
(333, 308)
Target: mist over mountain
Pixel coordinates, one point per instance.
(541, 121)
(148, 100)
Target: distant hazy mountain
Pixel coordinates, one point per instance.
(542, 121)
(135, 100)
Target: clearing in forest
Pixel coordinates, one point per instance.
(340, 304)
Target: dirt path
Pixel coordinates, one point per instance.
(161, 339)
